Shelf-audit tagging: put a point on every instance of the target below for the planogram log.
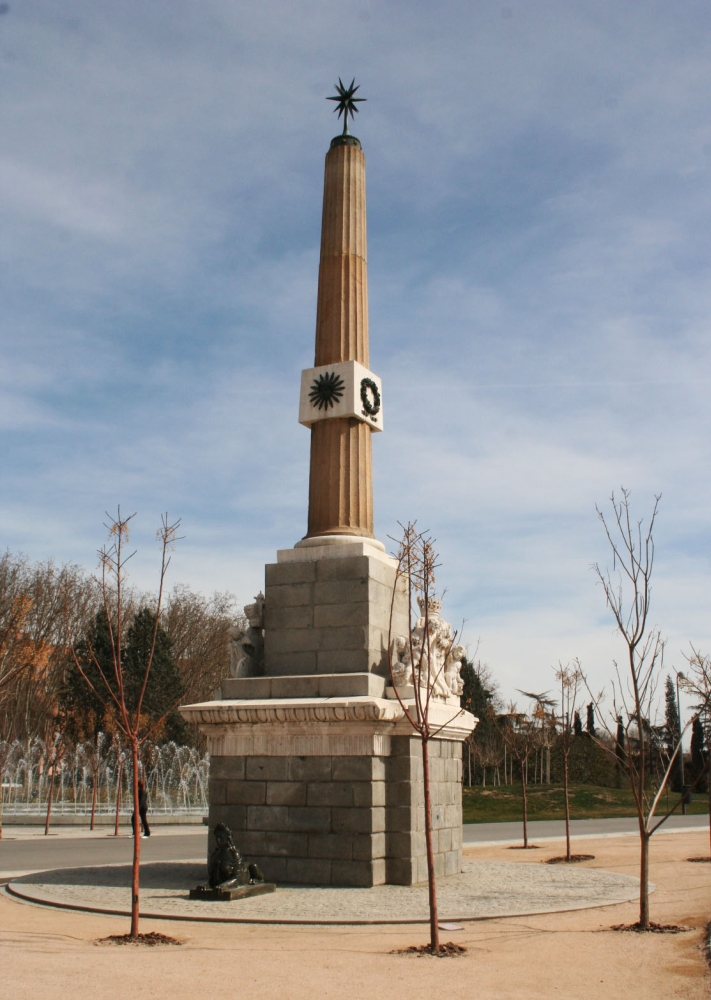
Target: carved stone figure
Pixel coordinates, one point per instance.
(452, 670)
(430, 655)
(226, 868)
(247, 644)
(401, 661)
(229, 876)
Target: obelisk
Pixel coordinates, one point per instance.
(341, 478)
(312, 765)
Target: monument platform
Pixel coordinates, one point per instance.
(482, 890)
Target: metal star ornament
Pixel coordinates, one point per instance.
(346, 102)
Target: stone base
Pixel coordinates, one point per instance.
(227, 895)
(328, 611)
(340, 820)
(330, 791)
(318, 774)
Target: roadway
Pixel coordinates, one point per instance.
(554, 829)
(26, 849)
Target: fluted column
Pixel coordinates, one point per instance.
(341, 478)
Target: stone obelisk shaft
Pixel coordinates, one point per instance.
(341, 477)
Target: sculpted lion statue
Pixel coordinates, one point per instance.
(226, 868)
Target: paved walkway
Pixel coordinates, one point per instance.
(483, 889)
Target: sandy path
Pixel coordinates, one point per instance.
(48, 952)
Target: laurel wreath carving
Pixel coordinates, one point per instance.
(370, 398)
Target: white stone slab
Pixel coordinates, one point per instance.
(280, 727)
(352, 389)
(335, 547)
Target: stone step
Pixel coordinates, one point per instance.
(305, 686)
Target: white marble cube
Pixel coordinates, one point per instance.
(345, 389)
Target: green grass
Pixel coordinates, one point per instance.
(502, 804)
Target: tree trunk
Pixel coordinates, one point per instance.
(525, 808)
(49, 805)
(567, 806)
(93, 802)
(644, 879)
(118, 799)
(434, 920)
(136, 842)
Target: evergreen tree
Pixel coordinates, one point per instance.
(577, 725)
(590, 721)
(672, 730)
(164, 686)
(478, 698)
(84, 713)
(698, 756)
(475, 697)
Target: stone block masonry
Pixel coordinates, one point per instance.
(350, 821)
(331, 616)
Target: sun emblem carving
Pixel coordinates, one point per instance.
(326, 390)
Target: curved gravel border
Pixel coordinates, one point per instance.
(483, 890)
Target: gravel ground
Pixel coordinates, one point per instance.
(483, 889)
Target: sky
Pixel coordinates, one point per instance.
(538, 253)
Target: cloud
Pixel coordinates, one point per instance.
(539, 289)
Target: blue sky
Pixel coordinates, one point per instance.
(538, 211)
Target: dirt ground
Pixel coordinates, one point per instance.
(45, 952)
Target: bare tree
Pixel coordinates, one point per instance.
(546, 721)
(417, 561)
(54, 759)
(42, 608)
(111, 690)
(199, 631)
(570, 679)
(635, 684)
(15, 607)
(92, 752)
(523, 737)
(489, 750)
(697, 682)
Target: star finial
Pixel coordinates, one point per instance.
(346, 102)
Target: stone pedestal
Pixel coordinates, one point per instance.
(317, 773)
(328, 791)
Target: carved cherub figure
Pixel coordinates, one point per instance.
(452, 669)
(401, 661)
